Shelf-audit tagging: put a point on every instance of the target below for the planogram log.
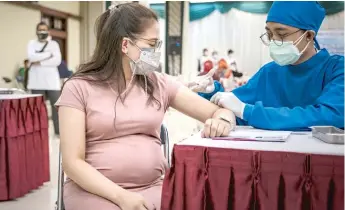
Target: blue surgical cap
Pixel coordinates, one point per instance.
(306, 15)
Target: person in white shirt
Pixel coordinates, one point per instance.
(43, 76)
(231, 60)
(215, 58)
(202, 60)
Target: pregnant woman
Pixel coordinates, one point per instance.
(110, 114)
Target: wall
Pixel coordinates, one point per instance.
(73, 43)
(89, 11)
(73, 36)
(72, 7)
(18, 24)
(14, 36)
(186, 71)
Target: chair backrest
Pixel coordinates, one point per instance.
(165, 142)
(61, 178)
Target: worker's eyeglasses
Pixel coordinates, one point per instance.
(157, 46)
(267, 37)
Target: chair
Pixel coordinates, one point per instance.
(59, 205)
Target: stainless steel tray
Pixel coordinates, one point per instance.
(328, 134)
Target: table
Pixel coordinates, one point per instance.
(302, 173)
(24, 148)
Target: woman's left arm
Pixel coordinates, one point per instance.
(218, 121)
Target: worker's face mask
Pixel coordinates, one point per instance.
(287, 53)
(147, 62)
(42, 35)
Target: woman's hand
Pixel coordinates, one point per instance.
(222, 122)
(133, 201)
(216, 128)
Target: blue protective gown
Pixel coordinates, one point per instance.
(295, 97)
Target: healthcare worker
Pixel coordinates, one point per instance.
(303, 87)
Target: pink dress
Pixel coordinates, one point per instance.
(128, 153)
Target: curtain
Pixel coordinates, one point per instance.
(239, 31)
(331, 33)
(236, 30)
(198, 11)
(159, 9)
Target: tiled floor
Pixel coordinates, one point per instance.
(179, 127)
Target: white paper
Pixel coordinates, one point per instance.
(259, 135)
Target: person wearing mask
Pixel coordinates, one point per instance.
(111, 111)
(303, 86)
(43, 75)
(215, 58)
(231, 60)
(205, 57)
(233, 65)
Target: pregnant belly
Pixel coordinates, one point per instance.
(131, 161)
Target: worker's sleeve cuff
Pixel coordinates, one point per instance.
(217, 88)
(248, 109)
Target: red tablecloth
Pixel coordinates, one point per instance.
(204, 178)
(24, 152)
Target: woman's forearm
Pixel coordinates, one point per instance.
(92, 180)
(225, 114)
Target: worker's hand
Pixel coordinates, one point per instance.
(229, 101)
(203, 84)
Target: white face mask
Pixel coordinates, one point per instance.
(148, 61)
(287, 53)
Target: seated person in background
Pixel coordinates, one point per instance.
(226, 75)
(202, 59)
(215, 58)
(303, 87)
(207, 66)
(111, 111)
(232, 64)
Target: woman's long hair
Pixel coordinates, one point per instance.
(105, 66)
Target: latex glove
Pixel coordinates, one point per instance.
(229, 101)
(203, 84)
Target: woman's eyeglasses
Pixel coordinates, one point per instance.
(158, 43)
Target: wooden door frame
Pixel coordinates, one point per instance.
(51, 12)
(58, 33)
